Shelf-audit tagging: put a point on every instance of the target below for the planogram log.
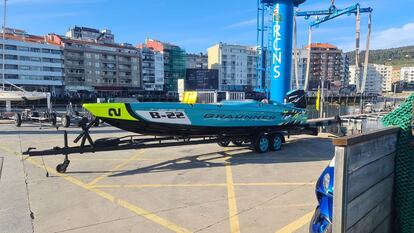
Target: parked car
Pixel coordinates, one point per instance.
(322, 219)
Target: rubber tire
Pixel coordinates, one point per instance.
(65, 121)
(258, 143)
(17, 119)
(276, 146)
(61, 168)
(223, 143)
(238, 142)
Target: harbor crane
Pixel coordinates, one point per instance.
(276, 23)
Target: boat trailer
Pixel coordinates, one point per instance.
(134, 142)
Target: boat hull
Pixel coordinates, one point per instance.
(236, 118)
(21, 95)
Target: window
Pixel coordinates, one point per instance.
(23, 67)
(10, 57)
(88, 55)
(97, 65)
(35, 50)
(45, 50)
(11, 47)
(57, 52)
(25, 49)
(10, 67)
(97, 57)
(36, 59)
(11, 76)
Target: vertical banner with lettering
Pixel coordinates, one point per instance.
(282, 33)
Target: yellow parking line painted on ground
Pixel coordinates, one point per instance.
(273, 184)
(121, 202)
(297, 224)
(114, 169)
(232, 202)
(131, 186)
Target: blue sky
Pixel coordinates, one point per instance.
(196, 25)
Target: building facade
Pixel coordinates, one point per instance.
(407, 74)
(98, 67)
(91, 34)
(396, 74)
(327, 63)
(386, 77)
(236, 65)
(152, 70)
(379, 78)
(174, 62)
(197, 61)
(32, 62)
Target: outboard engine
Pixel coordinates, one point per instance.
(297, 98)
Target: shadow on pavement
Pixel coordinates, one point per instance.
(303, 150)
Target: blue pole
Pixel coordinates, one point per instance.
(281, 66)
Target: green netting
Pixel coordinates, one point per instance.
(404, 170)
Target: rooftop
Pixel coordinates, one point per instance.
(322, 46)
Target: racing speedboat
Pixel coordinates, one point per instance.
(225, 118)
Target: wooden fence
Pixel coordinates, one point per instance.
(364, 182)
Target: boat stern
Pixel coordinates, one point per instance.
(117, 111)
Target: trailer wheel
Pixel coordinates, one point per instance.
(18, 119)
(223, 143)
(238, 142)
(276, 141)
(65, 121)
(261, 143)
(61, 168)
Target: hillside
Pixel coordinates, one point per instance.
(403, 56)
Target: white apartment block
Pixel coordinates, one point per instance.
(386, 74)
(152, 68)
(407, 74)
(31, 62)
(236, 65)
(379, 78)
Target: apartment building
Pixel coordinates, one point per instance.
(197, 61)
(386, 76)
(91, 34)
(152, 70)
(407, 74)
(396, 75)
(32, 62)
(174, 62)
(236, 65)
(379, 78)
(97, 67)
(327, 63)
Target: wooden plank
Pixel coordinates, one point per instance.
(367, 201)
(355, 139)
(367, 176)
(374, 218)
(386, 226)
(367, 152)
(339, 210)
